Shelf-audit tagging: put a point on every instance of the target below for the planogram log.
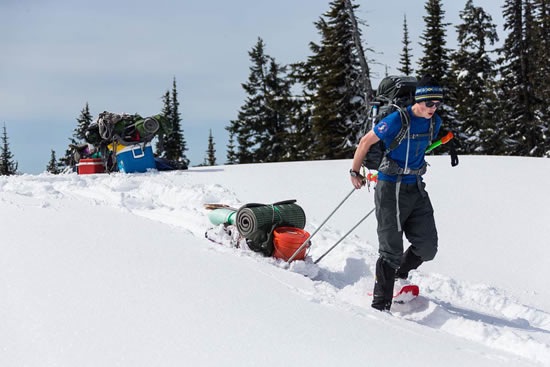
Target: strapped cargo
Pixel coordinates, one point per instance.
(256, 223)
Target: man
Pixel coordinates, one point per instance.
(402, 204)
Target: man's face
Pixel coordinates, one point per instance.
(427, 108)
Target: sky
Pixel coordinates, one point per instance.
(121, 56)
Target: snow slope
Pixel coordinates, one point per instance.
(105, 270)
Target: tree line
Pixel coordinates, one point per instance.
(495, 99)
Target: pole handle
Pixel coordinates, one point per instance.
(443, 140)
(446, 138)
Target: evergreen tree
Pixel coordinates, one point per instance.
(541, 9)
(166, 112)
(79, 136)
(231, 155)
(211, 152)
(244, 139)
(272, 137)
(53, 165)
(68, 162)
(174, 144)
(249, 118)
(8, 166)
(436, 57)
(435, 61)
(517, 69)
(300, 137)
(475, 79)
(365, 70)
(263, 120)
(84, 121)
(339, 102)
(533, 69)
(405, 60)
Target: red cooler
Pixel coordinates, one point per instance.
(90, 165)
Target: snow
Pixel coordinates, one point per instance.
(463, 74)
(105, 270)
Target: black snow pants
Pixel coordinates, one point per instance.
(416, 217)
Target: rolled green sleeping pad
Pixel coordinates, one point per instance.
(147, 126)
(259, 217)
(222, 216)
(256, 223)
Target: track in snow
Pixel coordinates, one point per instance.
(476, 312)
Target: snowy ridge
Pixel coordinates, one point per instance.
(476, 312)
(148, 195)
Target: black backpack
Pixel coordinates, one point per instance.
(394, 93)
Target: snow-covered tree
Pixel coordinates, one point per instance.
(475, 72)
(518, 67)
(338, 104)
(541, 9)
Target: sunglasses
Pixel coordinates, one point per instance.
(430, 104)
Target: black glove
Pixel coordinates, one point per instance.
(454, 156)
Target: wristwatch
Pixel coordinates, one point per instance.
(354, 173)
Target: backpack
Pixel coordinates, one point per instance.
(394, 93)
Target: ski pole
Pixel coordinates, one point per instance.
(341, 239)
(443, 140)
(318, 228)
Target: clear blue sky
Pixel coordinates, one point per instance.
(121, 56)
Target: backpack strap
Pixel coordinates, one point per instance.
(403, 132)
(405, 122)
(432, 127)
(429, 134)
(392, 168)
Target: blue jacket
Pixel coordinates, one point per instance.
(388, 128)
